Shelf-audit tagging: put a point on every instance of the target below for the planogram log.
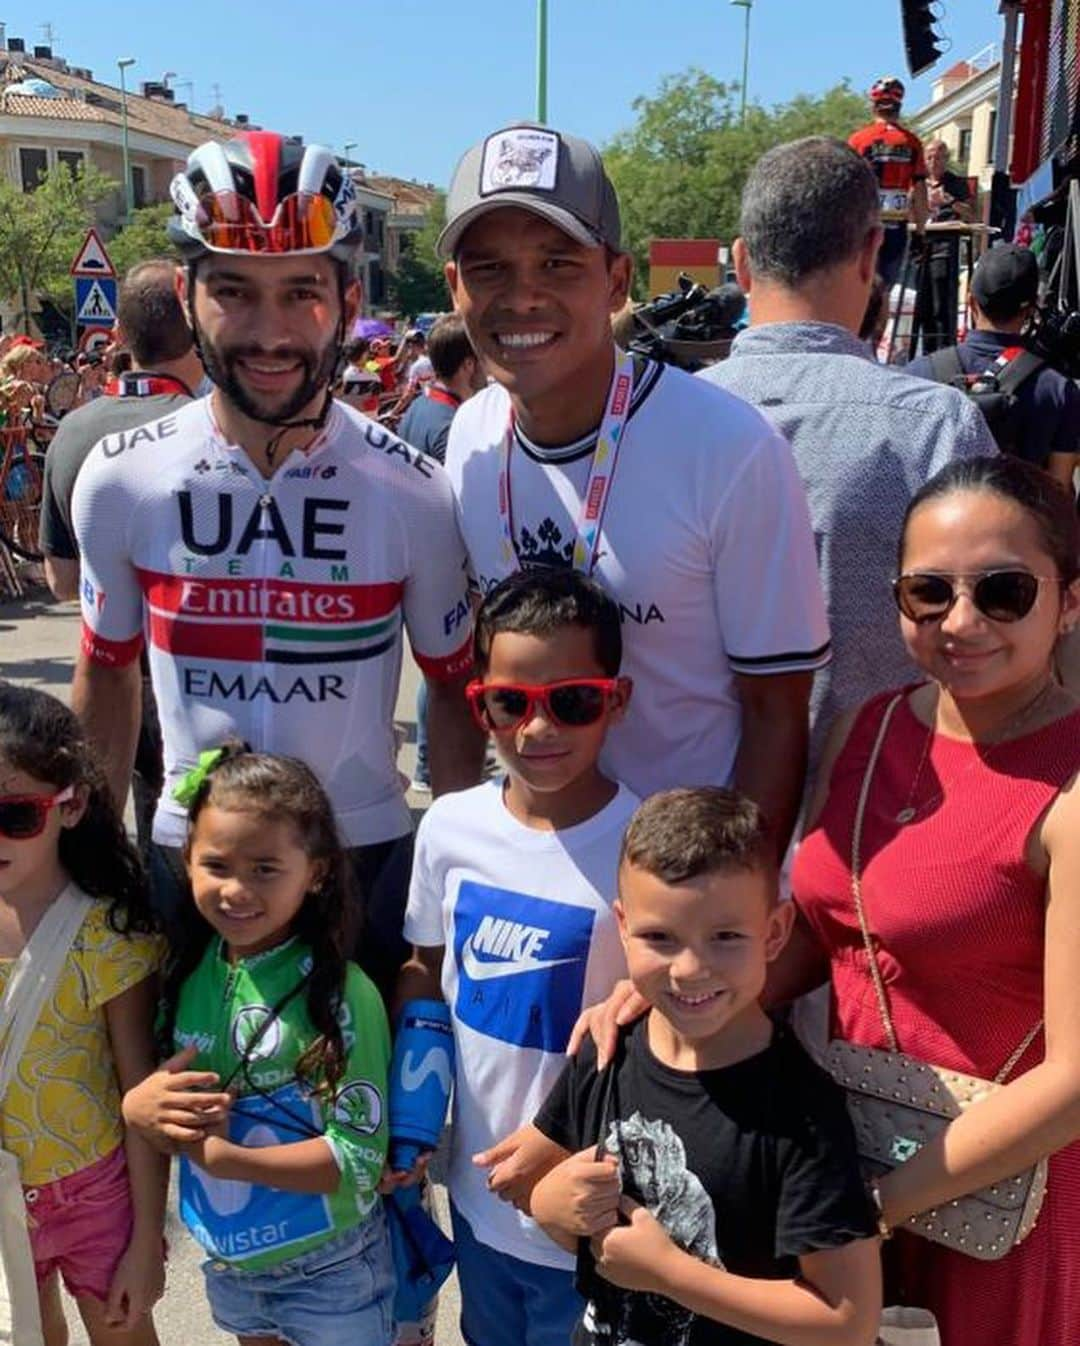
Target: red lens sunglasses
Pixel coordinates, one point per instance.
(24, 816)
(501, 707)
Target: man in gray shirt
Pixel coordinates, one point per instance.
(865, 436)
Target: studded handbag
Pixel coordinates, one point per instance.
(898, 1104)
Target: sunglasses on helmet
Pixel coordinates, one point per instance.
(229, 222)
(24, 816)
(1000, 595)
(501, 707)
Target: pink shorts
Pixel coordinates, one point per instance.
(81, 1225)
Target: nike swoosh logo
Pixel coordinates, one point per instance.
(435, 1062)
(478, 971)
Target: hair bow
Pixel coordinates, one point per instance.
(188, 790)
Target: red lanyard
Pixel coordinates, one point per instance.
(146, 385)
(443, 396)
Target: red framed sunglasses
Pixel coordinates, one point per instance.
(24, 816)
(501, 707)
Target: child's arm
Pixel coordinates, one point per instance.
(420, 977)
(300, 1166)
(171, 1106)
(578, 1198)
(517, 1164)
(836, 1301)
(139, 1279)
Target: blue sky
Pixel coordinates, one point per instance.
(414, 82)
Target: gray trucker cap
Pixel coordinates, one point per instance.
(556, 176)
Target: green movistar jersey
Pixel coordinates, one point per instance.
(252, 1033)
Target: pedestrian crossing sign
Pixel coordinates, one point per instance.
(95, 301)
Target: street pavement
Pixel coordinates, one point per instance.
(38, 641)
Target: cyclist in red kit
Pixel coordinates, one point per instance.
(896, 156)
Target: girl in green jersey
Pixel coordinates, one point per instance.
(275, 1097)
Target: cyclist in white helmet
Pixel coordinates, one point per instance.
(269, 543)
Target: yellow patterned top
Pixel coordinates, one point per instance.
(62, 1109)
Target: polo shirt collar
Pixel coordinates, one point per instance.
(799, 338)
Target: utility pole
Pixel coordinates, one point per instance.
(129, 200)
(746, 6)
(541, 60)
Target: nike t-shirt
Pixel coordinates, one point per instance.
(526, 920)
(705, 545)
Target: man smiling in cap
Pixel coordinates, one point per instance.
(678, 498)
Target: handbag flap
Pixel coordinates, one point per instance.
(898, 1104)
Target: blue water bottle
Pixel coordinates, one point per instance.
(421, 1073)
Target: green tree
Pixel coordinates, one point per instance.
(40, 232)
(144, 236)
(680, 169)
(418, 284)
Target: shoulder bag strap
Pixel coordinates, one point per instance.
(856, 892)
(34, 976)
(856, 870)
(1018, 370)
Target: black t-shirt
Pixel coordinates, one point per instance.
(749, 1166)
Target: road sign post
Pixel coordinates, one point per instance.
(95, 284)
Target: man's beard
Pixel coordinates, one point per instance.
(221, 368)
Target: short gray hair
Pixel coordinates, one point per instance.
(806, 206)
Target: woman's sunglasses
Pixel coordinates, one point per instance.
(24, 816)
(1001, 595)
(503, 706)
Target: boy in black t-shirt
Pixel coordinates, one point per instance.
(711, 1165)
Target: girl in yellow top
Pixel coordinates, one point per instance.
(95, 1198)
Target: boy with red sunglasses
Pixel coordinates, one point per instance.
(510, 918)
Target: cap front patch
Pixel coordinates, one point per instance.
(522, 157)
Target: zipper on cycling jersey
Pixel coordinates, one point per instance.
(265, 712)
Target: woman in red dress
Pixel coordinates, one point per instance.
(970, 859)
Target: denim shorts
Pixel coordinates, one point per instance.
(339, 1294)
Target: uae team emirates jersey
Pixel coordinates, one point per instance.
(273, 607)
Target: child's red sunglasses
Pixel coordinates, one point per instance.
(23, 816)
(501, 707)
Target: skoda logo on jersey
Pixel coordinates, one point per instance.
(253, 1037)
(521, 965)
(359, 1106)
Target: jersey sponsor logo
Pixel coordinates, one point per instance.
(256, 1033)
(304, 473)
(274, 621)
(93, 598)
(121, 440)
(521, 965)
(386, 443)
(209, 685)
(240, 1220)
(359, 1106)
(109, 653)
(453, 619)
(435, 1061)
(209, 526)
